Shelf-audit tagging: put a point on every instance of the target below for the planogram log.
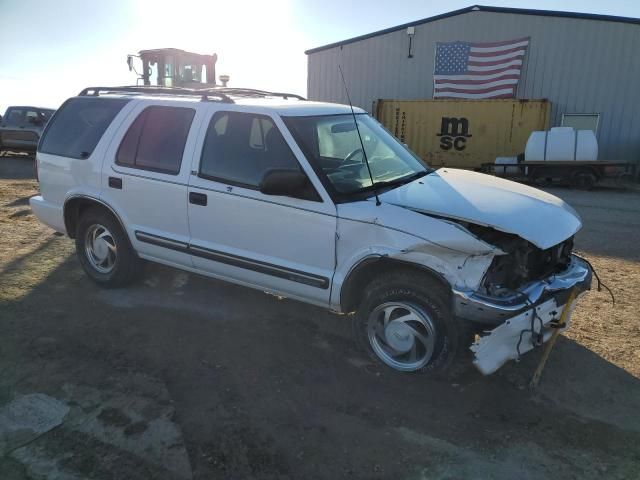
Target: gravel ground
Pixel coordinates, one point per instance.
(181, 376)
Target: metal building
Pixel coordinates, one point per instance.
(586, 65)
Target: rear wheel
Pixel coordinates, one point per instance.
(405, 322)
(104, 250)
(583, 180)
(624, 180)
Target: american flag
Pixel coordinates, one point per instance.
(478, 70)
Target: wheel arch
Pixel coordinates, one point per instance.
(76, 204)
(352, 289)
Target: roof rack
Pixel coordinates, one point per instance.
(204, 94)
(222, 94)
(252, 92)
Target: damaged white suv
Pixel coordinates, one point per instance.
(272, 192)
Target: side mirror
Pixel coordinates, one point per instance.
(283, 181)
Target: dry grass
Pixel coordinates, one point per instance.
(29, 251)
(613, 332)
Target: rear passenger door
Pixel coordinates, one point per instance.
(277, 243)
(145, 179)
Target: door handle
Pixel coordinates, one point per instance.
(115, 183)
(198, 198)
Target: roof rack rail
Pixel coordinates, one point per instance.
(252, 92)
(204, 94)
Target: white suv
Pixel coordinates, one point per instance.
(273, 192)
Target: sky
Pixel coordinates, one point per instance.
(50, 50)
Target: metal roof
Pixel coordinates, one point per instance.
(481, 8)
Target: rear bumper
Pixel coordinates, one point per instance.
(48, 213)
(476, 307)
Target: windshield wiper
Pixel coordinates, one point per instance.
(399, 181)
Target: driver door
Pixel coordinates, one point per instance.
(277, 243)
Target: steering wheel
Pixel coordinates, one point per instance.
(349, 157)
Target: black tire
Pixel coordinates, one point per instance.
(583, 180)
(126, 266)
(624, 180)
(425, 296)
(542, 175)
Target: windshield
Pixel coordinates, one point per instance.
(331, 143)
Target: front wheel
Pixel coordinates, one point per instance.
(405, 322)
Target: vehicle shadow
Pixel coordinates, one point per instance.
(19, 263)
(271, 388)
(20, 202)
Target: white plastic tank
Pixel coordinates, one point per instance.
(561, 144)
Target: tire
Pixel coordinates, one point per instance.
(583, 180)
(542, 175)
(624, 180)
(104, 250)
(425, 307)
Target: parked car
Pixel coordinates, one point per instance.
(21, 127)
(277, 194)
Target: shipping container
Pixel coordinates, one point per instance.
(463, 133)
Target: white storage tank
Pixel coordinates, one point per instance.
(562, 144)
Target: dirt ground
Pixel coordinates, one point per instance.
(184, 377)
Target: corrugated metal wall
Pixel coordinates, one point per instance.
(581, 66)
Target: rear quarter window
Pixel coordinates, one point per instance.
(76, 128)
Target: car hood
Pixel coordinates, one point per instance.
(536, 216)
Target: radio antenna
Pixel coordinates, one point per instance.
(364, 153)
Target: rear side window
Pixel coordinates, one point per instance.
(78, 126)
(156, 139)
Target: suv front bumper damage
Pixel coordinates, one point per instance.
(524, 318)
